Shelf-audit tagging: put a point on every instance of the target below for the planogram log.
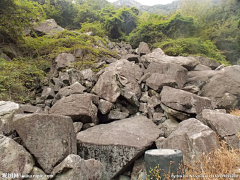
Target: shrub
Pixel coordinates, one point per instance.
(191, 46)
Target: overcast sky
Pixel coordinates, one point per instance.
(150, 2)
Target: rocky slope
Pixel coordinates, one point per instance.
(88, 125)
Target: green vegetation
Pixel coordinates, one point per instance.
(196, 29)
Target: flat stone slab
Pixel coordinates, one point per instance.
(14, 158)
(192, 137)
(116, 145)
(50, 138)
(184, 101)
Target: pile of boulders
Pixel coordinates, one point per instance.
(88, 125)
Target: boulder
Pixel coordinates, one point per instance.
(7, 111)
(208, 62)
(77, 126)
(143, 48)
(201, 67)
(107, 87)
(76, 168)
(184, 101)
(87, 74)
(104, 106)
(116, 145)
(120, 77)
(187, 62)
(205, 73)
(177, 71)
(80, 107)
(191, 137)
(168, 126)
(49, 26)
(64, 60)
(176, 114)
(75, 88)
(41, 135)
(156, 81)
(227, 126)
(138, 168)
(26, 108)
(14, 158)
(47, 93)
(117, 114)
(223, 88)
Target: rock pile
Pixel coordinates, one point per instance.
(88, 125)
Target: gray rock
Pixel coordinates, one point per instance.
(76, 168)
(191, 137)
(41, 135)
(77, 126)
(138, 168)
(223, 88)
(143, 108)
(177, 114)
(227, 126)
(87, 74)
(187, 62)
(75, 88)
(184, 101)
(7, 111)
(64, 77)
(206, 73)
(118, 78)
(58, 84)
(79, 107)
(192, 89)
(64, 60)
(208, 62)
(88, 125)
(107, 87)
(74, 76)
(78, 53)
(49, 26)
(156, 81)
(159, 50)
(168, 126)
(30, 109)
(201, 67)
(104, 106)
(14, 158)
(48, 93)
(143, 48)
(175, 70)
(117, 114)
(117, 144)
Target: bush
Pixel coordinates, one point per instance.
(96, 28)
(191, 46)
(19, 77)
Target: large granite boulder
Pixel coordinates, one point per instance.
(192, 137)
(223, 88)
(116, 145)
(14, 158)
(227, 126)
(76, 168)
(143, 48)
(7, 111)
(120, 77)
(208, 62)
(49, 26)
(177, 71)
(156, 81)
(64, 60)
(50, 138)
(184, 101)
(187, 62)
(80, 107)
